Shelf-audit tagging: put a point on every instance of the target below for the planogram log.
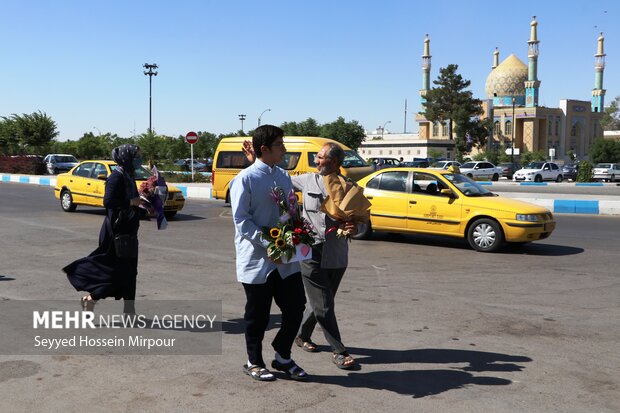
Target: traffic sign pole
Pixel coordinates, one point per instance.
(191, 138)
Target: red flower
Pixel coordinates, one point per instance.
(297, 230)
(295, 239)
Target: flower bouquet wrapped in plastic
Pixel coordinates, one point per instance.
(292, 238)
(154, 192)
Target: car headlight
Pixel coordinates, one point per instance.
(527, 217)
(178, 195)
(530, 173)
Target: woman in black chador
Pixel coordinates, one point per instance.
(103, 274)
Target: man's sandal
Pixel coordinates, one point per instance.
(258, 373)
(308, 346)
(343, 361)
(292, 370)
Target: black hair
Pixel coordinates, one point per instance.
(265, 135)
(335, 151)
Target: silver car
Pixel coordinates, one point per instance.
(606, 172)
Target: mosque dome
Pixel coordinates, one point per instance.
(507, 79)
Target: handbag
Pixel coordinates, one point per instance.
(125, 245)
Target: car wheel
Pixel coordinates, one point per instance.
(485, 235)
(470, 176)
(495, 177)
(538, 178)
(559, 178)
(365, 231)
(66, 201)
(170, 215)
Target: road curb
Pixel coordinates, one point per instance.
(559, 205)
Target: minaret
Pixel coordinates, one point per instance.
(598, 93)
(495, 58)
(532, 84)
(426, 70)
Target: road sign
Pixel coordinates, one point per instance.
(191, 138)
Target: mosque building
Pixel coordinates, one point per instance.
(519, 123)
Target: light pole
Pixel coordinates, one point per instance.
(94, 127)
(383, 127)
(242, 118)
(150, 73)
(514, 125)
(261, 115)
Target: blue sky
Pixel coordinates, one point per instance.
(81, 61)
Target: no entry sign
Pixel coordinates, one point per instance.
(191, 138)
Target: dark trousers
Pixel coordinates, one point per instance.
(321, 285)
(289, 295)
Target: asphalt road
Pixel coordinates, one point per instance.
(436, 327)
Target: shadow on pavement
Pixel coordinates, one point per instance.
(421, 383)
(6, 278)
(237, 326)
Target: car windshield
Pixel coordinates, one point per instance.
(467, 186)
(535, 165)
(141, 174)
(67, 159)
(603, 165)
(439, 164)
(353, 160)
(468, 165)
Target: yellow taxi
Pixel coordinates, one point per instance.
(84, 184)
(414, 200)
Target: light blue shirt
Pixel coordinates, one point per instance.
(253, 209)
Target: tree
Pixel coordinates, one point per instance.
(90, 146)
(611, 115)
(28, 133)
(350, 133)
(449, 101)
(309, 127)
(605, 150)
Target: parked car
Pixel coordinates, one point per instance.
(415, 164)
(445, 164)
(538, 172)
(509, 168)
(85, 185)
(606, 172)
(186, 164)
(56, 163)
(380, 163)
(430, 201)
(481, 170)
(569, 171)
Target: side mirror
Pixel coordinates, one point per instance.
(103, 177)
(448, 192)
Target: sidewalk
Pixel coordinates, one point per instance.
(556, 203)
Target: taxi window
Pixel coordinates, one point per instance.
(232, 160)
(394, 181)
(351, 159)
(84, 170)
(290, 160)
(99, 169)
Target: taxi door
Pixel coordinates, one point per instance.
(387, 192)
(96, 186)
(77, 182)
(431, 211)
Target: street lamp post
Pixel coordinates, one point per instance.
(242, 118)
(150, 73)
(514, 125)
(383, 127)
(261, 115)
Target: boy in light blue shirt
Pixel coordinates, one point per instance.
(263, 279)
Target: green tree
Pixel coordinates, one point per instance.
(584, 173)
(9, 142)
(150, 146)
(450, 101)
(611, 116)
(350, 133)
(309, 127)
(527, 157)
(29, 133)
(605, 150)
(90, 146)
(434, 154)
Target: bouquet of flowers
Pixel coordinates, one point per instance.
(154, 192)
(292, 238)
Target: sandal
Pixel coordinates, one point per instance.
(308, 346)
(343, 361)
(292, 370)
(87, 303)
(258, 373)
